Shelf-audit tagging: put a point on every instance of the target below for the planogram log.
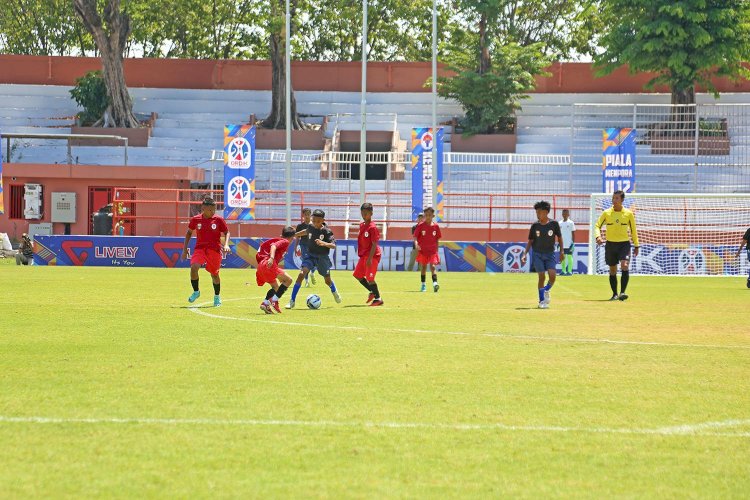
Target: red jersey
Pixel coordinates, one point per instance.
(209, 231)
(427, 236)
(264, 251)
(368, 237)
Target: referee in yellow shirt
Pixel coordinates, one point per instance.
(617, 249)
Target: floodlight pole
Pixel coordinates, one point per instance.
(288, 104)
(363, 108)
(434, 103)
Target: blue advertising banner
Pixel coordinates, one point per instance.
(618, 160)
(426, 162)
(2, 205)
(137, 251)
(239, 172)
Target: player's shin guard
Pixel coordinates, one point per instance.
(270, 293)
(541, 295)
(333, 286)
(295, 291)
(613, 283)
(434, 278)
(195, 285)
(217, 288)
(365, 284)
(624, 281)
(423, 277)
(374, 288)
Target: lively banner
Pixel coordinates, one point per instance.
(426, 162)
(239, 172)
(2, 206)
(138, 251)
(618, 160)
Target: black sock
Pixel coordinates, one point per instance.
(613, 283)
(280, 291)
(195, 285)
(374, 288)
(270, 293)
(423, 278)
(365, 284)
(217, 288)
(434, 278)
(624, 280)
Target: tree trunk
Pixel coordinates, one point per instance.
(484, 50)
(277, 117)
(110, 41)
(682, 116)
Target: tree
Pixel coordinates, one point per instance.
(277, 37)
(42, 27)
(685, 42)
(110, 33)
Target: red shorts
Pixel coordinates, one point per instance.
(264, 274)
(208, 256)
(367, 272)
(424, 259)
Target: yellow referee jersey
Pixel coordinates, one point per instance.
(618, 224)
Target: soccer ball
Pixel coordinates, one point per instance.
(313, 301)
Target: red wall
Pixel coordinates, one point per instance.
(306, 75)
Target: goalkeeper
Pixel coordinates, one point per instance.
(617, 249)
(743, 243)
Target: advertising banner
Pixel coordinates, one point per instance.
(618, 160)
(239, 172)
(138, 251)
(426, 162)
(2, 205)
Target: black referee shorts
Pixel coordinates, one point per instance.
(615, 251)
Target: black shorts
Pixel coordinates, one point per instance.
(615, 251)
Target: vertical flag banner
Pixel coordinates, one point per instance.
(618, 160)
(239, 172)
(2, 206)
(426, 162)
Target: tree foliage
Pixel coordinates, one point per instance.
(684, 42)
(42, 27)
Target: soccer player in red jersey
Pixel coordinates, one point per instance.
(213, 236)
(369, 255)
(270, 253)
(426, 240)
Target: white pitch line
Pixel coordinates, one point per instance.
(265, 320)
(690, 429)
(687, 430)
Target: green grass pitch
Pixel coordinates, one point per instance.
(110, 386)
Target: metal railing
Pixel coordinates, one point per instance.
(67, 137)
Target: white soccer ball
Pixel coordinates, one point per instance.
(313, 301)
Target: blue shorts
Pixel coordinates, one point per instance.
(543, 261)
(321, 263)
(304, 252)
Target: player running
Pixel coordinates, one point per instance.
(212, 237)
(320, 242)
(369, 255)
(270, 253)
(426, 241)
(617, 249)
(304, 243)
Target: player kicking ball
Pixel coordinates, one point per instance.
(542, 241)
(212, 238)
(369, 253)
(270, 253)
(320, 242)
(426, 241)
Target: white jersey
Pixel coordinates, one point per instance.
(566, 228)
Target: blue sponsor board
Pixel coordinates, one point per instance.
(137, 251)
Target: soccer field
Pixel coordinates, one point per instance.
(110, 385)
